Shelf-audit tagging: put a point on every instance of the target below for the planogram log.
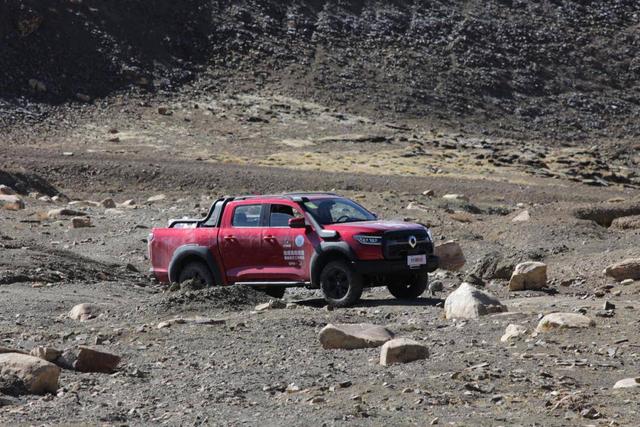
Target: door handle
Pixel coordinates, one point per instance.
(229, 238)
(268, 238)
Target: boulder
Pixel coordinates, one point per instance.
(11, 202)
(450, 256)
(80, 222)
(84, 312)
(6, 190)
(468, 302)
(494, 265)
(627, 269)
(85, 359)
(59, 213)
(521, 217)
(37, 376)
(402, 350)
(628, 383)
(554, 321)
(529, 275)
(352, 336)
(45, 353)
(513, 331)
(627, 223)
(108, 203)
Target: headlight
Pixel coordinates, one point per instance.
(368, 240)
(430, 234)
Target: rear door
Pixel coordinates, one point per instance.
(286, 250)
(240, 241)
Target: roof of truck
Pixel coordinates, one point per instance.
(290, 196)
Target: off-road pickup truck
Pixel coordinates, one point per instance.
(316, 240)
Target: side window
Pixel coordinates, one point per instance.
(281, 214)
(246, 216)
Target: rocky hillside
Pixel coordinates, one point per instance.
(563, 69)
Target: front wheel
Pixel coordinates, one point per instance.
(409, 287)
(341, 286)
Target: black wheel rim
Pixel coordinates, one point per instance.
(197, 278)
(337, 284)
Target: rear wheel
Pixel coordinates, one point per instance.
(409, 287)
(198, 272)
(341, 286)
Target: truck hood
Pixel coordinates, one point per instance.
(374, 226)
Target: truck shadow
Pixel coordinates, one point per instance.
(377, 302)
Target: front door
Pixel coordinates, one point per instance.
(287, 250)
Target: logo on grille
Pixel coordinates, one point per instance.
(413, 241)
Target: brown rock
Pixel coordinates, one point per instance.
(37, 376)
(80, 222)
(529, 275)
(108, 203)
(627, 269)
(627, 223)
(554, 321)
(450, 256)
(352, 336)
(11, 202)
(85, 359)
(45, 353)
(84, 312)
(402, 350)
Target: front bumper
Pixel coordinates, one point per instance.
(384, 266)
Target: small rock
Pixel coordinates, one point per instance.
(58, 213)
(272, 304)
(84, 312)
(529, 276)
(45, 353)
(468, 302)
(127, 204)
(37, 85)
(627, 269)
(83, 97)
(156, 198)
(80, 222)
(6, 190)
(628, 383)
(428, 193)
(164, 111)
(353, 336)
(608, 306)
(85, 359)
(37, 376)
(450, 256)
(402, 350)
(521, 217)
(626, 282)
(564, 320)
(108, 203)
(455, 197)
(513, 331)
(11, 202)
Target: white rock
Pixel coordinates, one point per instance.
(84, 203)
(455, 197)
(6, 190)
(37, 375)
(402, 350)
(627, 269)
(59, 213)
(522, 217)
(513, 331)
(272, 304)
(554, 321)
(528, 275)
(127, 204)
(628, 383)
(11, 202)
(352, 336)
(156, 198)
(450, 256)
(468, 302)
(84, 312)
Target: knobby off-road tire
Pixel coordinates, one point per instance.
(196, 270)
(409, 286)
(341, 286)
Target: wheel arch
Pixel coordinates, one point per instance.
(325, 253)
(188, 253)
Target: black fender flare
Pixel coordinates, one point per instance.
(325, 250)
(193, 251)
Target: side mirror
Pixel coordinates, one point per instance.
(298, 222)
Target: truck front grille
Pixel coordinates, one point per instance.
(395, 244)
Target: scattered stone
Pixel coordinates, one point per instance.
(450, 256)
(627, 282)
(164, 111)
(428, 193)
(198, 320)
(628, 383)
(60, 198)
(456, 197)
(608, 306)
(627, 269)
(353, 336)
(272, 304)
(468, 302)
(127, 204)
(529, 276)
(85, 359)
(11, 202)
(83, 97)
(108, 203)
(80, 222)
(37, 376)
(84, 203)
(513, 331)
(521, 217)
(6, 190)
(590, 413)
(554, 321)
(84, 312)
(58, 213)
(402, 350)
(156, 198)
(45, 353)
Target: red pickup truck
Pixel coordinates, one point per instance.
(316, 240)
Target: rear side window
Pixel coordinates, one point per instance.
(280, 215)
(247, 216)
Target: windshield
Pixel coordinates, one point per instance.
(336, 211)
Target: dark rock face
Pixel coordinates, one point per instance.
(552, 67)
